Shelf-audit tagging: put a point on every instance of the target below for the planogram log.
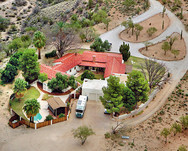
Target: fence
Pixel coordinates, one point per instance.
(33, 125)
(141, 107)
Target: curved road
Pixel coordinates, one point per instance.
(59, 137)
(177, 68)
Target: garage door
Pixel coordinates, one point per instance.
(92, 96)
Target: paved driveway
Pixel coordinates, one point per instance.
(59, 137)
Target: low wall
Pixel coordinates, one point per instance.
(141, 107)
(33, 125)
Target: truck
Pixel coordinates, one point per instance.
(81, 106)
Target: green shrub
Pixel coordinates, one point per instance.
(88, 75)
(49, 117)
(51, 54)
(107, 135)
(61, 115)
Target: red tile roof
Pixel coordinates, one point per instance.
(49, 71)
(112, 62)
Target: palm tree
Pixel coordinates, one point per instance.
(165, 47)
(39, 41)
(31, 107)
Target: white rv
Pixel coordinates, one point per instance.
(81, 106)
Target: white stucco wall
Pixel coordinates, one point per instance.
(74, 70)
(93, 88)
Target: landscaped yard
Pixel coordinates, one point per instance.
(17, 105)
(80, 51)
(135, 62)
(97, 76)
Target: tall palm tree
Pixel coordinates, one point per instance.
(31, 107)
(39, 41)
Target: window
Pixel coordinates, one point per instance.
(75, 68)
(70, 70)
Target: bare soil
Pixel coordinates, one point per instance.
(155, 51)
(154, 21)
(147, 135)
(184, 6)
(117, 16)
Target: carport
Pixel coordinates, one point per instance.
(93, 88)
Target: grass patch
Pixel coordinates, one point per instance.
(80, 51)
(17, 104)
(97, 76)
(46, 96)
(135, 62)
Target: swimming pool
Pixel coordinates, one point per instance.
(37, 117)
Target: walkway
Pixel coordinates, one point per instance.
(177, 68)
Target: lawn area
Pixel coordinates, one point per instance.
(97, 76)
(17, 105)
(135, 61)
(80, 51)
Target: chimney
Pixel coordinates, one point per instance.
(94, 57)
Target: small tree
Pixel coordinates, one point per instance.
(171, 42)
(151, 31)
(137, 83)
(99, 16)
(72, 82)
(106, 21)
(124, 49)
(176, 128)
(59, 83)
(128, 24)
(88, 75)
(175, 52)
(8, 73)
(39, 41)
(100, 46)
(182, 148)
(165, 132)
(138, 29)
(29, 65)
(31, 107)
(165, 47)
(20, 87)
(112, 98)
(128, 99)
(43, 77)
(82, 133)
(184, 122)
(154, 72)
(147, 43)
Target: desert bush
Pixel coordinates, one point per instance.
(51, 54)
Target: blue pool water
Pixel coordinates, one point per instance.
(37, 117)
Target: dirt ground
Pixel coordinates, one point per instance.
(147, 135)
(155, 21)
(116, 16)
(155, 51)
(184, 6)
(59, 136)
